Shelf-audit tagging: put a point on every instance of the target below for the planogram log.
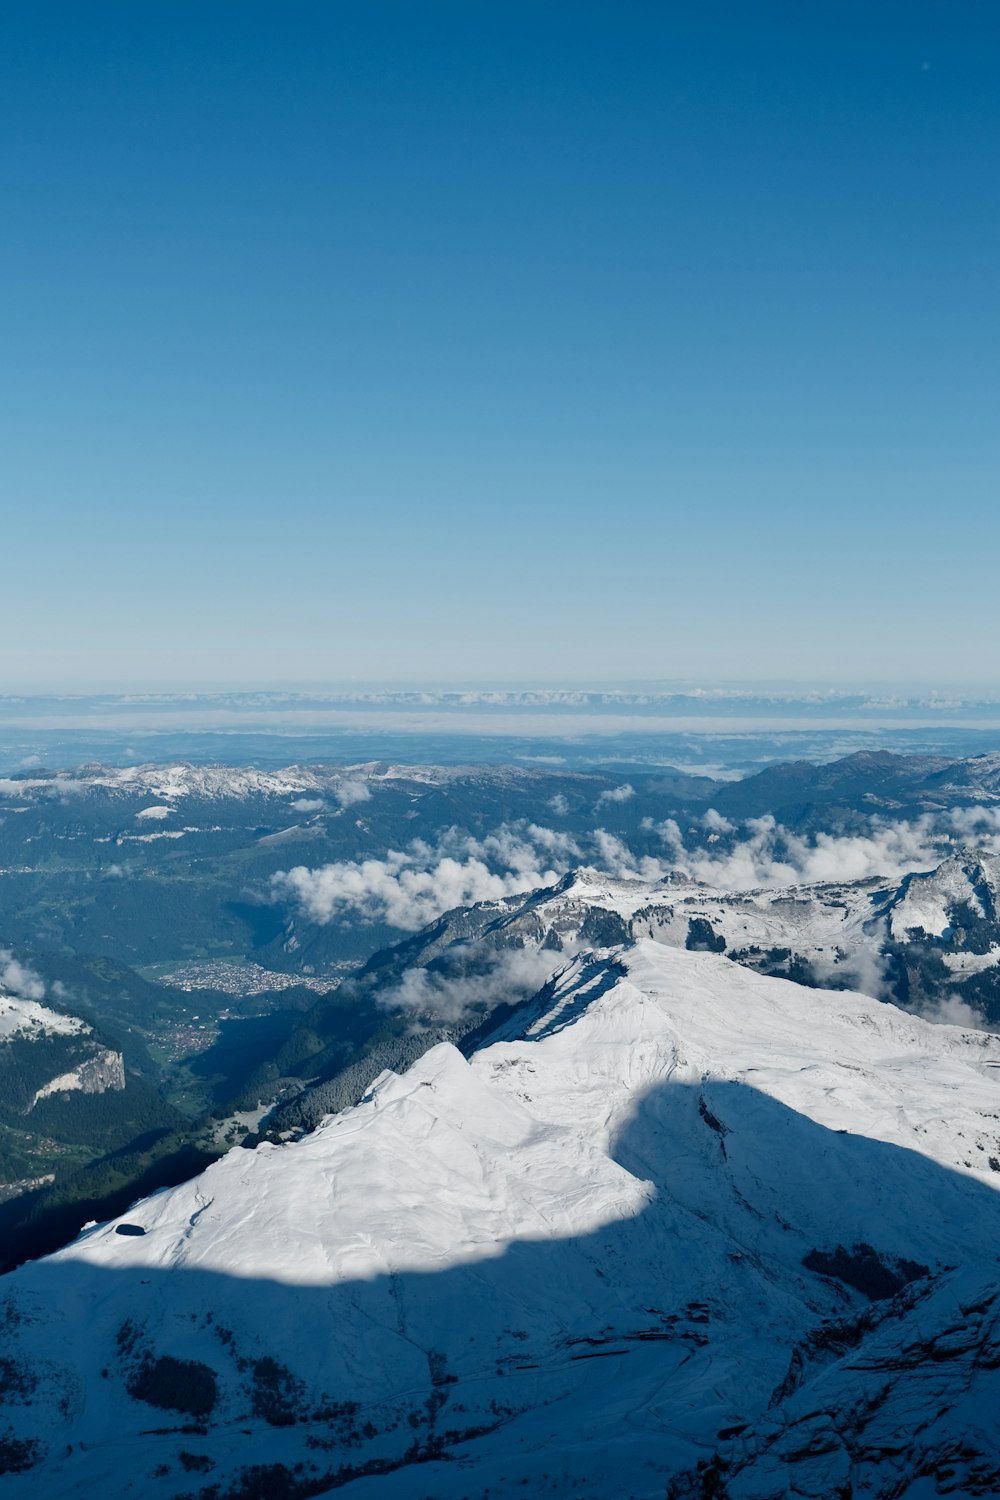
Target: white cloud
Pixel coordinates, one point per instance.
(615, 794)
(616, 858)
(555, 841)
(559, 805)
(391, 890)
(411, 887)
(518, 844)
(155, 812)
(978, 824)
(772, 856)
(49, 786)
(866, 970)
(308, 804)
(668, 833)
(953, 1011)
(715, 822)
(397, 890)
(510, 976)
(350, 791)
(19, 979)
(67, 786)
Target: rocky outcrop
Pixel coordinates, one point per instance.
(98, 1074)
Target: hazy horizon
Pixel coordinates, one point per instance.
(711, 730)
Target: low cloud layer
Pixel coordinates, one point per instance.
(411, 887)
(18, 979)
(511, 975)
(615, 794)
(953, 1011)
(613, 856)
(53, 787)
(351, 791)
(866, 969)
(771, 855)
(978, 826)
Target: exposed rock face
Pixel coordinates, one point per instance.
(98, 1074)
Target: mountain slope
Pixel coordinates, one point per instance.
(64, 1092)
(931, 940)
(647, 1221)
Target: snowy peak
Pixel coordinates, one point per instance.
(45, 1053)
(930, 941)
(960, 893)
(674, 1199)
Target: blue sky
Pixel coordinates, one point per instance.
(482, 342)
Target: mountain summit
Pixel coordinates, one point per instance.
(678, 1224)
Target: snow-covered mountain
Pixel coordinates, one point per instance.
(930, 941)
(46, 1053)
(174, 782)
(927, 940)
(69, 1096)
(675, 1223)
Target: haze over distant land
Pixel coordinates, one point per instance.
(709, 729)
(498, 342)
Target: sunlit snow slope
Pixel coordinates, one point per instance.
(574, 1265)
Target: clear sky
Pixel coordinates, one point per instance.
(498, 341)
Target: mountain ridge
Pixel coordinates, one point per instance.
(618, 1202)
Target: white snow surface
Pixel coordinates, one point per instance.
(589, 1238)
(839, 928)
(29, 1018)
(929, 900)
(518, 1143)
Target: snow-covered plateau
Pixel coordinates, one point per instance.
(677, 1228)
